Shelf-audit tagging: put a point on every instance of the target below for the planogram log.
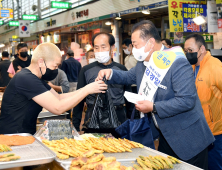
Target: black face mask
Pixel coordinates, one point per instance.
(49, 74)
(192, 58)
(23, 54)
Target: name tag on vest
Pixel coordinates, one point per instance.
(162, 87)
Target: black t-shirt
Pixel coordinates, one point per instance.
(4, 78)
(18, 62)
(19, 112)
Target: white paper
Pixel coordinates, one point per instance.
(133, 97)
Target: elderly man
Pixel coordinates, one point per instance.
(103, 44)
(27, 92)
(208, 72)
(183, 130)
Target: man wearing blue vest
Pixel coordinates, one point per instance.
(183, 130)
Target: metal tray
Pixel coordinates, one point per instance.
(129, 158)
(31, 154)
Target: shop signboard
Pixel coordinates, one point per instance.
(208, 38)
(6, 13)
(61, 5)
(14, 36)
(176, 14)
(189, 12)
(29, 17)
(14, 23)
(86, 27)
(133, 10)
(218, 1)
(82, 13)
(14, 40)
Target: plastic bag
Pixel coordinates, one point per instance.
(104, 114)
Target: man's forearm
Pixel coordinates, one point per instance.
(65, 95)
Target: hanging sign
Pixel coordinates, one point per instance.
(13, 23)
(189, 12)
(176, 14)
(6, 13)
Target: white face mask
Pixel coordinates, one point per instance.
(102, 57)
(91, 60)
(139, 54)
(126, 51)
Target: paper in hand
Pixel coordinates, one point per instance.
(133, 97)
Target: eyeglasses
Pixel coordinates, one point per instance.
(189, 50)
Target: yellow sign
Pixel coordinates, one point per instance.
(6, 13)
(176, 14)
(0, 3)
(163, 60)
(14, 36)
(218, 1)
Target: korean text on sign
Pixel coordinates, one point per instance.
(176, 13)
(189, 12)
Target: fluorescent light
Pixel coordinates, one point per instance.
(146, 12)
(2, 45)
(199, 20)
(118, 17)
(108, 23)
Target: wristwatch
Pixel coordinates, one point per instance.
(154, 108)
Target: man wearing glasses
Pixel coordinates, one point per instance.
(208, 80)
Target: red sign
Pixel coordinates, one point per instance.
(219, 23)
(193, 27)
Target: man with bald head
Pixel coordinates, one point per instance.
(27, 92)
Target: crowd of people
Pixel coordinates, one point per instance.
(187, 105)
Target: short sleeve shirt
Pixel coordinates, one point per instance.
(18, 62)
(19, 112)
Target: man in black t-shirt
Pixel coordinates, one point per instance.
(4, 64)
(27, 92)
(23, 60)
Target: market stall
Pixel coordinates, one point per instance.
(58, 140)
(71, 147)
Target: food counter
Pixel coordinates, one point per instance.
(59, 142)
